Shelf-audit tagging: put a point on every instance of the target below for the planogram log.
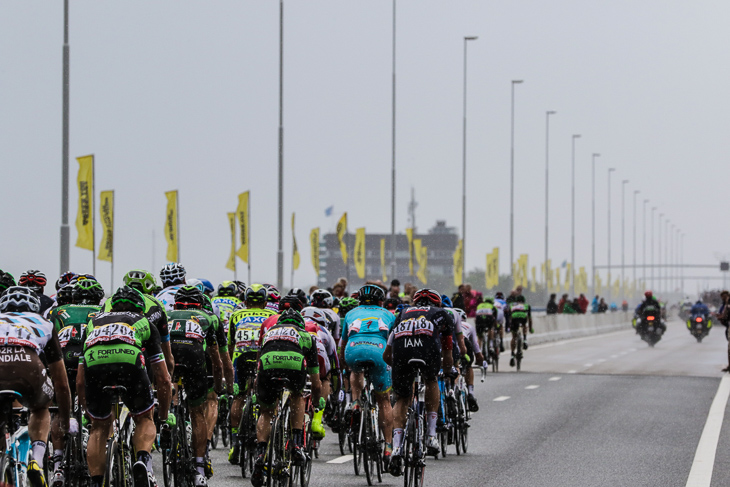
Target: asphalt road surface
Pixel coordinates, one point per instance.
(599, 411)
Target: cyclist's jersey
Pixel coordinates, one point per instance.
(244, 328)
(154, 311)
(421, 327)
(500, 305)
(167, 296)
(69, 322)
(189, 327)
(325, 317)
(470, 334)
(287, 346)
(367, 323)
(272, 306)
(519, 312)
(326, 347)
(120, 337)
(221, 337)
(227, 305)
(29, 331)
(456, 318)
(486, 313)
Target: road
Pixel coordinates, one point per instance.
(599, 411)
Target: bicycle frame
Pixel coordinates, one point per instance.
(14, 430)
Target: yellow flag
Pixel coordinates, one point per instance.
(409, 236)
(314, 241)
(171, 234)
(85, 214)
(568, 276)
(492, 273)
(533, 284)
(523, 260)
(558, 286)
(581, 284)
(549, 275)
(459, 263)
(616, 288)
(359, 256)
(231, 264)
(244, 232)
(382, 260)
(106, 208)
(341, 230)
(421, 252)
(598, 285)
(295, 254)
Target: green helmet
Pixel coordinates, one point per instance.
(141, 280)
(291, 317)
(489, 299)
(347, 304)
(127, 299)
(86, 292)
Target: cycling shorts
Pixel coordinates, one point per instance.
(484, 324)
(271, 382)
(469, 351)
(25, 373)
(368, 349)
(404, 372)
(515, 324)
(194, 376)
(244, 366)
(138, 398)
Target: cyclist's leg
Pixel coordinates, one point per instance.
(99, 431)
(524, 335)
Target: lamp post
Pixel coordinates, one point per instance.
(393, 263)
(593, 220)
(610, 170)
(572, 215)
(65, 233)
(547, 190)
(653, 209)
(463, 182)
(659, 252)
(636, 191)
(512, 184)
(623, 240)
(280, 248)
(643, 239)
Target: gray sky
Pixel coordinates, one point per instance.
(184, 95)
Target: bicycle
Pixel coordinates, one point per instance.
(519, 348)
(367, 440)
(119, 445)
(14, 430)
(446, 426)
(413, 451)
(222, 429)
(311, 445)
(247, 432)
(74, 466)
(463, 415)
(178, 460)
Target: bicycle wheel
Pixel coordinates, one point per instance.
(518, 352)
(366, 455)
(354, 440)
(408, 454)
(463, 421)
(7, 469)
(306, 470)
(114, 476)
(244, 430)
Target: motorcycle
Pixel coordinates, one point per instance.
(650, 328)
(699, 327)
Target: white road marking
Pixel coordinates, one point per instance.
(601, 360)
(572, 371)
(588, 365)
(575, 340)
(614, 356)
(532, 387)
(344, 459)
(553, 379)
(632, 350)
(701, 473)
(500, 398)
(623, 353)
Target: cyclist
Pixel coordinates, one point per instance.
(192, 337)
(272, 297)
(322, 302)
(347, 304)
(423, 332)
(243, 343)
(69, 321)
(328, 363)
(36, 281)
(287, 353)
(518, 315)
(227, 301)
(173, 278)
(486, 321)
(473, 350)
(26, 336)
(300, 294)
(113, 343)
(61, 282)
(6, 280)
(501, 306)
(365, 336)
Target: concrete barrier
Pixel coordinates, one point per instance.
(550, 328)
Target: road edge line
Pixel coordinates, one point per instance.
(700, 475)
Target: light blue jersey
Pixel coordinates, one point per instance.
(368, 321)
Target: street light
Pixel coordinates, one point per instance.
(512, 184)
(593, 223)
(572, 217)
(65, 233)
(623, 239)
(393, 264)
(547, 153)
(636, 191)
(463, 182)
(659, 252)
(280, 251)
(653, 282)
(610, 170)
(643, 260)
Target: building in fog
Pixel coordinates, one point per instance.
(440, 241)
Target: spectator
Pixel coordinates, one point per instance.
(459, 298)
(312, 289)
(561, 304)
(394, 291)
(583, 303)
(570, 307)
(625, 305)
(338, 290)
(552, 306)
(471, 304)
(594, 305)
(602, 306)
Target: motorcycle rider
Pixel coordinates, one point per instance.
(650, 306)
(700, 309)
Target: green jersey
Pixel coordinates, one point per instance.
(191, 326)
(69, 321)
(287, 346)
(119, 337)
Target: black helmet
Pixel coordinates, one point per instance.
(300, 294)
(189, 297)
(290, 301)
(18, 299)
(64, 279)
(87, 292)
(371, 294)
(6, 280)
(519, 298)
(290, 316)
(391, 304)
(65, 295)
(172, 274)
(322, 298)
(127, 299)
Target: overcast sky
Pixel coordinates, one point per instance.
(184, 95)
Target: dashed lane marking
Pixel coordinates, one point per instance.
(572, 371)
(500, 398)
(532, 387)
(601, 360)
(614, 356)
(553, 379)
(588, 365)
(344, 459)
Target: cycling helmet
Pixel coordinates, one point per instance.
(348, 304)
(499, 295)
(461, 313)
(227, 288)
(208, 304)
(64, 279)
(207, 286)
(189, 297)
(141, 280)
(519, 298)
(65, 295)
(255, 294)
(300, 294)
(489, 299)
(401, 307)
(446, 301)
(370, 294)
(172, 274)
(34, 280)
(87, 292)
(272, 293)
(127, 299)
(6, 280)
(648, 294)
(391, 304)
(321, 298)
(291, 317)
(427, 297)
(291, 301)
(241, 289)
(18, 299)
(316, 315)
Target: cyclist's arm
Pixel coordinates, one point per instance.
(159, 368)
(217, 366)
(225, 357)
(54, 355)
(388, 353)
(312, 357)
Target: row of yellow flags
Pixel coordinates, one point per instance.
(85, 214)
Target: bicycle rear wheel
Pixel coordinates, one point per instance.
(354, 440)
(368, 457)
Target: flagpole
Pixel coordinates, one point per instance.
(65, 233)
(177, 224)
(93, 215)
(112, 262)
(248, 238)
(347, 244)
